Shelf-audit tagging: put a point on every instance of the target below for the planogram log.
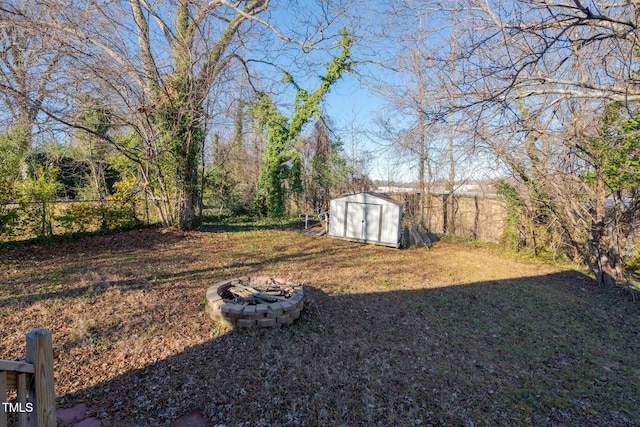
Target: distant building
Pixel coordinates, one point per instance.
(393, 189)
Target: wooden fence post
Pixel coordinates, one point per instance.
(3, 398)
(476, 218)
(40, 354)
(445, 213)
(44, 218)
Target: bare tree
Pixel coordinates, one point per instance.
(158, 64)
(30, 68)
(419, 117)
(554, 88)
(405, 119)
(324, 165)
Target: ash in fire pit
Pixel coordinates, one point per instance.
(255, 301)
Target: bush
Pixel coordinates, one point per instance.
(80, 217)
(8, 219)
(632, 260)
(118, 217)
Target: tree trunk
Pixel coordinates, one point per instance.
(451, 223)
(602, 266)
(423, 160)
(186, 192)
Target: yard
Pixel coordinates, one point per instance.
(459, 335)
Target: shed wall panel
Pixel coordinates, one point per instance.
(336, 218)
(366, 217)
(363, 221)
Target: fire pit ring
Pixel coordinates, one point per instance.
(282, 311)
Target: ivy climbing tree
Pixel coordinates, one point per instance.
(162, 67)
(612, 178)
(326, 168)
(281, 171)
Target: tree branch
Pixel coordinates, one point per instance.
(273, 29)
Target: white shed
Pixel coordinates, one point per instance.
(366, 217)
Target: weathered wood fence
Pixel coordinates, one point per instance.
(477, 216)
(33, 381)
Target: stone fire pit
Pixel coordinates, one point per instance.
(265, 302)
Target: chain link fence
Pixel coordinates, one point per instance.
(37, 219)
(28, 220)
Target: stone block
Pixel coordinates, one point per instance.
(235, 310)
(245, 323)
(215, 305)
(266, 323)
(286, 305)
(212, 294)
(262, 308)
(226, 307)
(296, 304)
(249, 310)
(228, 318)
(274, 310)
(295, 314)
(285, 319)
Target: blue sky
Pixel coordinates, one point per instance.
(351, 106)
(353, 109)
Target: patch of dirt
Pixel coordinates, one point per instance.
(451, 336)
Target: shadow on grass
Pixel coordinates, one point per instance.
(543, 350)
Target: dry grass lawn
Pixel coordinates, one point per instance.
(455, 336)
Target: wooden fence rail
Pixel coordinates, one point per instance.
(33, 381)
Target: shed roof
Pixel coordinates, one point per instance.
(375, 195)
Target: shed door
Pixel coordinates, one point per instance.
(363, 221)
